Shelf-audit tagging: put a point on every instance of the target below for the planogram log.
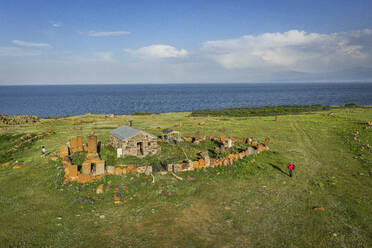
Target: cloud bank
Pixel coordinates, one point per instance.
(292, 56)
(106, 34)
(30, 44)
(158, 51)
(293, 51)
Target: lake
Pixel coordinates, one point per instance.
(65, 100)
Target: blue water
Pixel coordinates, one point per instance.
(64, 100)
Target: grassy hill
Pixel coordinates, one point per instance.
(250, 204)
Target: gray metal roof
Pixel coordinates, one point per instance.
(125, 132)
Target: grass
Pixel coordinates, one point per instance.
(269, 110)
(251, 204)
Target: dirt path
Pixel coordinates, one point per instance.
(310, 162)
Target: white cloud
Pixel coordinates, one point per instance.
(57, 25)
(293, 56)
(104, 34)
(293, 50)
(30, 44)
(17, 52)
(158, 51)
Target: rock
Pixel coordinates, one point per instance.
(53, 158)
(102, 216)
(118, 171)
(165, 193)
(110, 170)
(229, 221)
(117, 197)
(190, 178)
(19, 164)
(202, 123)
(107, 188)
(318, 208)
(100, 189)
(228, 207)
(5, 164)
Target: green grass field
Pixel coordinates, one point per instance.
(250, 204)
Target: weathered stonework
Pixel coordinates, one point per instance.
(140, 145)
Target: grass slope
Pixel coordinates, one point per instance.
(251, 204)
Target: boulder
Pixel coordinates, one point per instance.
(118, 171)
(5, 164)
(110, 170)
(100, 189)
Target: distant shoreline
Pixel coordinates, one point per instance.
(231, 112)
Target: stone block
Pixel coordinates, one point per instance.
(85, 178)
(79, 147)
(207, 162)
(92, 156)
(226, 162)
(73, 143)
(110, 170)
(222, 138)
(118, 171)
(169, 167)
(250, 151)
(5, 164)
(100, 189)
(92, 144)
(148, 170)
(117, 197)
(201, 163)
(53, 158)
(176, 168)
(196, 164)
(260, 148)
(145, 169)
(64, 152)
(100, 167)
(73, 171)
(185, 167)
(141, 169)
(86, 168)
(66, 161)
(131, 169)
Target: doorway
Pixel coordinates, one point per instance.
(140, 150)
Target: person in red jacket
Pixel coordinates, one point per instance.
(291, 167)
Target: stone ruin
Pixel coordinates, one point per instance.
(94, 167)
(226, 145)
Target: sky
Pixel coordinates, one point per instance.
(96, 41)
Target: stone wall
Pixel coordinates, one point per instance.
(140, 145)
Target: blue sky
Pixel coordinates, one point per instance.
(48, 42)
